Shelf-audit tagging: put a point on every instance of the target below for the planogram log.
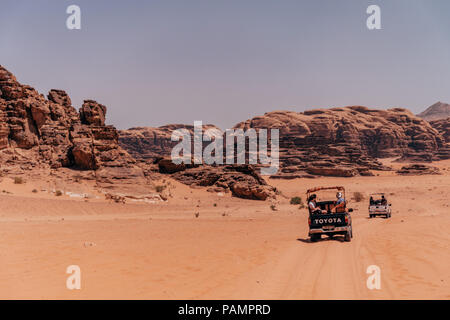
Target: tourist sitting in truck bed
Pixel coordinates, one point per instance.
(340, 203)
(312, 205)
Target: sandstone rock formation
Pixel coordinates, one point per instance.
(146, 143)
(418, 169)
(443, 126)
(243, 181)
(437, 111)
(40, 132)
(326, 142)
(347, 141)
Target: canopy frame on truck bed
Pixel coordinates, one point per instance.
(338, 188)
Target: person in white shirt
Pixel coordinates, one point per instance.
(312, 204)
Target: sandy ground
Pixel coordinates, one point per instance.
(234, 249)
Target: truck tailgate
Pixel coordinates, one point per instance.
(328, 220)
(378, 208)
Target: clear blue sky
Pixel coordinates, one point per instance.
(161, 61)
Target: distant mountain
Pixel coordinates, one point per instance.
(437, 111)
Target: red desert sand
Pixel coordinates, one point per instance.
(202, 245)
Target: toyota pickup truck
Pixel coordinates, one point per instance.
(379, 206)
(327, 217)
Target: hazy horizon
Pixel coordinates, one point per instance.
(158, 62)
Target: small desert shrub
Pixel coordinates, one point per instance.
(215, 204)
(77, 178)
(358, 196)
(34, 191)
(58, 193)
(273, 207)
(160, 188)
(296, 200)
(18, 180)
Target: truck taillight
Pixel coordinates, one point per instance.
(309, 221)
(346, 219)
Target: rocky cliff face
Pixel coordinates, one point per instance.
(443, 127)
(40, 132)
(148, 144)
(331, 142)
(347, 141)
(152, 148)
(48, 132)
(437, 111)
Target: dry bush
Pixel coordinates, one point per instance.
(160, 188)
(77, 178)
(296, 201)
(19, 180)
(358, 196)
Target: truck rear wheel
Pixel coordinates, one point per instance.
(315, 237)
(348, 236)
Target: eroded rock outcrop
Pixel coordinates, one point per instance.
(243, 181)
(51, 133)
(93, 113)
(347, 141)
(323, 142)
(148, 144)
(443, 127)
(418, 169)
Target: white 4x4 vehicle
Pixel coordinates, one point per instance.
(379, 206)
